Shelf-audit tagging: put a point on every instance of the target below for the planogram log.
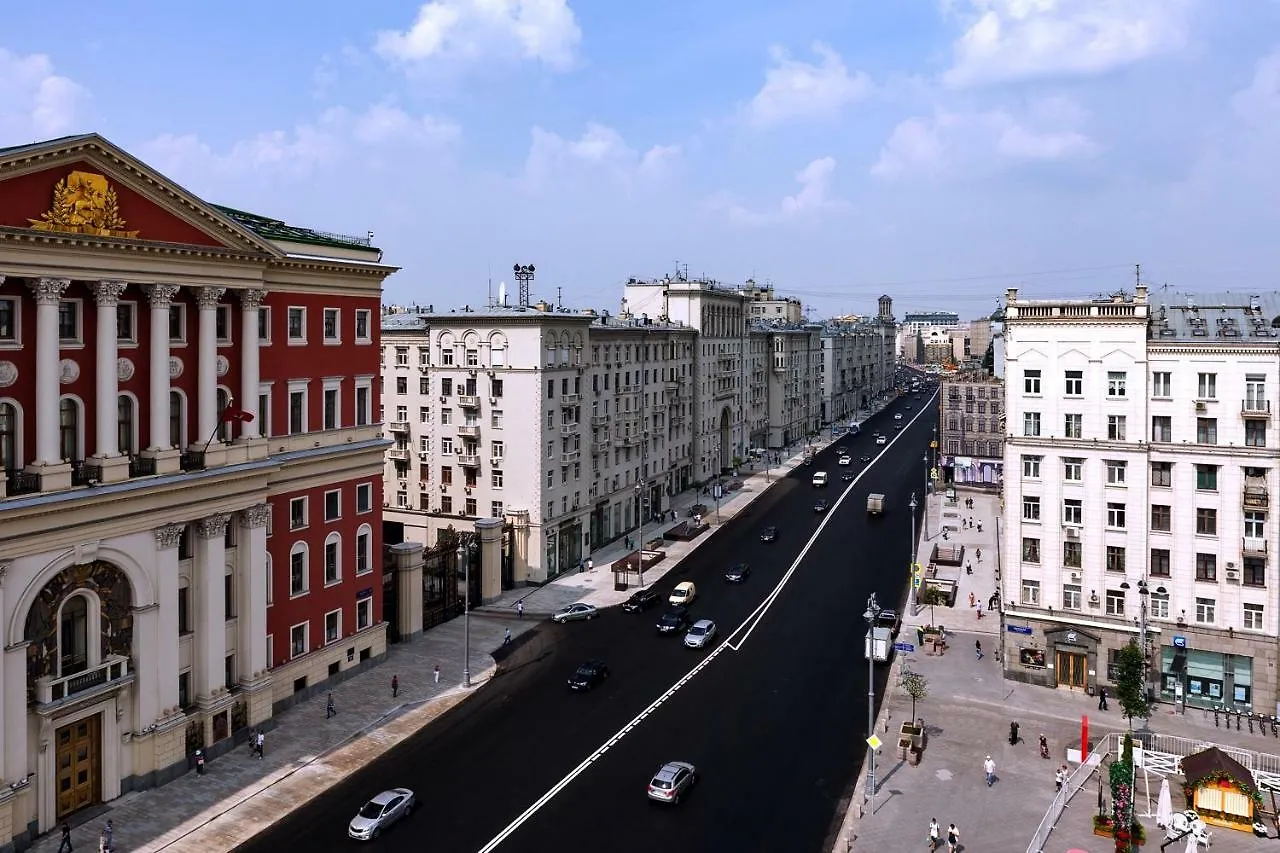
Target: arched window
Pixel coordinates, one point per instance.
(177, 432)
(332, 558)
(69, 429)
(224, 403)
(124, 425)
(9, 436)
(73, 636)
(364, 549)
(298, 583)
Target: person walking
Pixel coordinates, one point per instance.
(261, 743)
(437, 673)
(395, 686)
(199, 762)
(520, 603)
(989, 768)
(506, 638)
(953, 838)
(933, 833)
(109, 837)
(1102, 698)
(329, 710)
(1058, 778)
(977, 648)
(66, 839)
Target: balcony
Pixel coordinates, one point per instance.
(469, 430)
(113, 669)
(400, 454)
(1255, 408)
(142, 466)
(570, 399)
(571, 456)
(599, 420)
(1255, 497)
(83, 474)
(570, 428)
(19, 482)
(469, 460)
(191, 460)
(399, 426)
(1254, 547)
(468, 401)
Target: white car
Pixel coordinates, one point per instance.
(846, 460)
(880, 439)
(898, 416)
(700, 634)
(380, 812)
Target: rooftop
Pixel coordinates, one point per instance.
(275, 229)
(1222, 317)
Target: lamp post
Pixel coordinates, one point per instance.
(1144, 590)
(466, 614)
(640, 512)
(911, 556)
(927, 479)
(871, 615)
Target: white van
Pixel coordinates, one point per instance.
(820, 479)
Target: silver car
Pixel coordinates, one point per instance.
(672, 781)
(380, 812)
(700, 634)
(575, 612)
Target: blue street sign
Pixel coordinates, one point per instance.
(1020, 629)
(904, 647)
(1180, 642)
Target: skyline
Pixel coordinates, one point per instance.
(938, 151)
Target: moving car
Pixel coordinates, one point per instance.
(673, 620)
(683, 595)
(866, 459)
(820, 506)
(891, 620)
(897, 416)
(846, 460)
(641, 600)
(700, 634)
(769, 534)
(590, 674)
(672, 781)
(575, 613)
(738, 573)
(882, 439)
(820, 479)
(848, 478)
(380, 812)
(842, 451)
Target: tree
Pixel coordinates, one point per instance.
(917, 687)
(989, 358)
(1131, 689)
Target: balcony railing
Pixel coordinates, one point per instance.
(599, 420)
(191, 460)
(141, 466)
(19, 482)
(571, 456)
(469, 461)
(570, 399)
(1255, 408)
(82, 474)
(114, 668)
(469, 430)
(1255, 497)
(570, 429)
(401, 453)
(399, 426)
(1254, 546)
(468, 401)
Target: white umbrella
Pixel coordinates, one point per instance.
(1164, 805)
(1191, 844)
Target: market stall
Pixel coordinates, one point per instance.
(1220, 789)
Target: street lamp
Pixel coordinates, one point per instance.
(639, 489)
(466, 615)
(911, 556)
(1143, 591)
(925, 521)
(872, 614)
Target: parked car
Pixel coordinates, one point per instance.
(820, 506)
(672, 781)
(591, 674)
(675, 619)
(891, 620)
(683, 595)
(575, 613)
(641, 600)
(769, 534)
(380, 812)
(738, 573)
(882, 439)
(700, 634)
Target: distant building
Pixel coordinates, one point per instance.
(763, 304)
(973, 428)
(858, 361)
(969, 342)
(923, 337)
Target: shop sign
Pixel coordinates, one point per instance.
(1020, 629)
(1179, 642)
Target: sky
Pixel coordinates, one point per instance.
(939, 151)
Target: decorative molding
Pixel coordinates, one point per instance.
(250, 300)
(257, 515)
(208, 297)
(4, 570)
(48, 291)
(167, 535)
(124, 369)
(213, 526)
(8, 373)
(68, 371)
(175, 367)
(107, 293)
(223, 365)
(160, 295)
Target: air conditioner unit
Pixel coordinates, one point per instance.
(1075, 577)
(495, 460)
(493, 401)
(1094, 601)
(442, 487)
(467, 489)
(1071, 532)
(422, 454)
(1233, 575)
(422, 487)
(422, 368)
(1201, 406)
(442, 398)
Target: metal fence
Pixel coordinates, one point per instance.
(1072, 786)
(1163, 753)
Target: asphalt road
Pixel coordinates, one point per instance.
(775, 722)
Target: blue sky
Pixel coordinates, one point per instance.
(936, 150)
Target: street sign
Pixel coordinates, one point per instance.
(904, 647)
(916, 580)
(1180, 642)
(874, 742)
(935, 474)
(1020, 629)
(717, 491)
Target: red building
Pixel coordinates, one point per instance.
(190, 473)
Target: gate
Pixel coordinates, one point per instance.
(508, 557)
(441, 596)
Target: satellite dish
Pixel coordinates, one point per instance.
(531, 268)
(515, 268)
(502, 293)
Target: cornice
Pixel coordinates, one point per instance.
(10, 234)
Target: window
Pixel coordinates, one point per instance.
(1115, 383)
(1072, 554)
(1161, 518)
(1071, 596)
(1072, 469)
(1206, 478)
(496, 386)
(1031, 423)
(1159, 606)
(1115, 602)
(264, 410)
(1160, 563)
(1116, 472)
(1255, 433)
(1255, 524)
(364, 550)
(1115, 427)
(364, 402)
(1161, 384)
(332, 326)
(1207, 567)
(264, 324)
(332, 559)
(8, 321)
(402, 385)
(9, 435)
(1115, 515)
(69, 321)
(333, 505)
(1030, 508)
(1253, 617)
(1073, 426)
(1162, 473)
(1031, 593)
(1205, 608)
(402, 356)
(1074, 383)
(363, 327)
(1072, 511)
(1031, 382)
(446, 505)
(446, 475)
(1255, 571)
(222, 324)
(298, 640)
(472, 358)
(424, 390)
(446, 445)
(1162, 428)
(446, 387)
(446, 355)
(495, 419)
(495, 478)
(297, 513)
(298, 569)
(269, 580)
(1206, 386)
(1115, 558)
(495, 509)
(1031, 466)
(177, 324)
(69, 429)
(333, 404)
(446, 417)
(364, 498)
(184, 610)
(1206, 521)
(297, 325)
(125, 418)
(1206, 430)
(1030, 550)
(497, 449)
(297, 408)
(469, 507)
(228, 593)
(126, 322)
(364, 613)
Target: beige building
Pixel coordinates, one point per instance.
(766, 306)
(795, 380)
(972, 440)
(858, 362)
(970, 342)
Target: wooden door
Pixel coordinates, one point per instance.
(79, 752)
(1072, 669)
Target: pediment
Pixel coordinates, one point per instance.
(1117, 355)
(1032, 354)
(86, 186)
(1074, 354)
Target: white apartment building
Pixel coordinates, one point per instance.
(1139, 461)
(924, 331)
(795, 385)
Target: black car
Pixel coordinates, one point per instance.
(841, 451)
(590, 674)
(769, 534)
(820, 506)
(675, 619)
(866, 459)
(738, 573)
(848, 478)
(642, 600)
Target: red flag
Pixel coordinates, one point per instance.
(236, 416)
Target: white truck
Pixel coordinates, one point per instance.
(879, 644)
(820, 479)
(875, 504)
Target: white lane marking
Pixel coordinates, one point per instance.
(671, 691)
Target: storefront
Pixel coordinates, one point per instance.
(1206, 679)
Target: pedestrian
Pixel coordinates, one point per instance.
(968, 570)
(933, 833)
(979, 609)
(591, 564)
(582, 567)
(953, 838)
(919, 635)
(110, 832)
(261, 743)
(1058, 778)
(977, 648)
(437, 673)
(395, 686)
(329, 710)
(520, 603)
(989, 768)
(506, 638)
(993, 600)
(1102, 698)
(199, 762)
(102, 842)
(972, 599)
(978, 552)
(979, 530)
(66, 839)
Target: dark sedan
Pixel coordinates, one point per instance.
(820, 506)
(738, 573)
(590, 675)
(675, 619)
(642, 600)
(769, 534)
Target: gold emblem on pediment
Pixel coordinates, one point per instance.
(84, 203)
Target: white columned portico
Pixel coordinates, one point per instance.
(106, 456)
(166, 623)
(251, 594)
(161, 297)
(48, 293)
(250, 302)
(210, 607)
(207, 363)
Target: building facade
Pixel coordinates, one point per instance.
(924, 336)
(795, 381)
(1141, 454)
(857, 364)
(973, 427)
(970, 342)
(190, 464)
(764, 305)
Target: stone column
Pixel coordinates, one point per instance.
(250, 302)
(490, 532)
(14, 702)
(251, 594)
(111, 466)
(48, 293)
(158, 447)
(208, 587)
(148, 653)
(166, 623)
(207, 363)
(408, 562)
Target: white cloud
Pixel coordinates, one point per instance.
(470, 30)
(795, 89)
(1258, 106)
(1020, 39)
(600, 150)
(809, 202)
(36, 103)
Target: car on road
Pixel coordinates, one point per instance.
(897, 426)
(769, 534)
(675, 619)
(908, 408)
(820, 506)
(891, 620)
(641, 600)
(898, 416)
(842, 451)
(738, 573)
(590, 675)
(846, 460)
(866, 459)
(700, 634)
(848, 478)
(683, 595)
(672, 781)
(380, 812)
(882, 439)
(575, 613)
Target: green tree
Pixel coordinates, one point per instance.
(1131, 690)
(917, 687)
